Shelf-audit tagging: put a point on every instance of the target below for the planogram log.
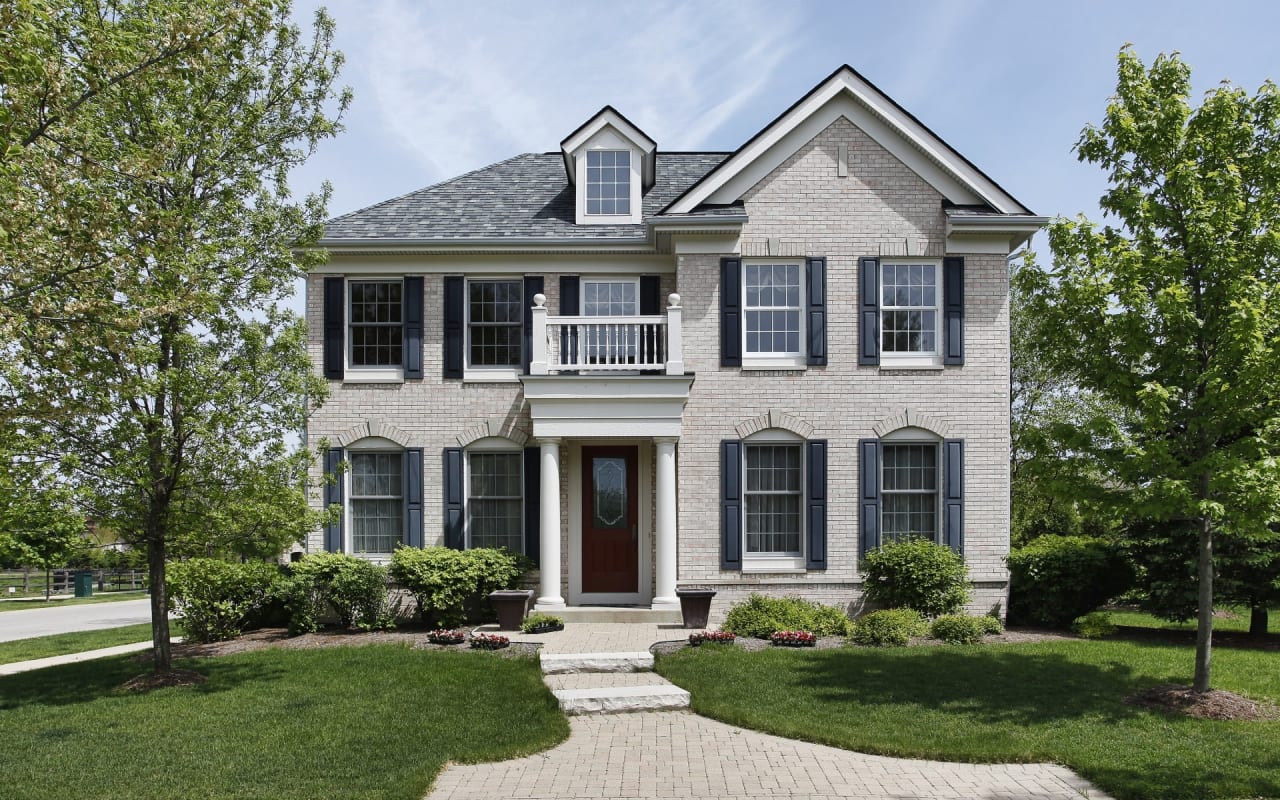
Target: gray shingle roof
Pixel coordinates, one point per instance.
(524, 197)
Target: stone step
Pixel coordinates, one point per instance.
(562, 663)
(615, 614)
(600, 680)
(621, 699)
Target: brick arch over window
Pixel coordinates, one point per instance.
(780, 420)
(907, 418)
(373, 428)
(495, 426)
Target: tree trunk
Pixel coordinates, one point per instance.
(1258, 619)
(1204, 618)
(159, 606)
(48, 580)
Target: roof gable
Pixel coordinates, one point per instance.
(609, 117)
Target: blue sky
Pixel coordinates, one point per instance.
(445, 87)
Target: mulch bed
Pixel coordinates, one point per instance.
(162, 680)
(1213, 704)
(279, 637)
(1015, 636)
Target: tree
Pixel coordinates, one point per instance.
(168, 380)
(1170, 313)
(40, 524)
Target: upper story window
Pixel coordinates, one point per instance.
(377, 502)
(909, 492)
(608, 182)
(772, 309)
(495, 501)
(909, 295)
(495, 313)
(377, 323)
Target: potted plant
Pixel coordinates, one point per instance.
(711, 637)
(542, 623)
(695, 607)
(442, 636)
(486, 641)
(793, 639)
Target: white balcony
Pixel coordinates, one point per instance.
(633, 344)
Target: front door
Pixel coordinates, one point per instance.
(610, 520)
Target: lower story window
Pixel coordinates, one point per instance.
(909, 492)
(494, 501)
(377, 502)
(773, 499)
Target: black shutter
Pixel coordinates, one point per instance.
(953, 494)
(868, 494)
(730, 312)
(413, 496)
(533, 284)
(816, 520)
(815, 280)
(650, 305)
(412, 307)
(570, 305)
(453, 501)
(869, 311)
(953, 310)
(454, 314)
(731, 504)
(532, 501)
(333, 496)
(334, 328)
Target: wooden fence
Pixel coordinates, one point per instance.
(30, 582)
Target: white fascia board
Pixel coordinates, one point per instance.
(608, 118)
(516, 264)
(569, 406)
(989, 234)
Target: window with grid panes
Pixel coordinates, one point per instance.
(909, 308)
(771, 306)
(377, 502)
(773, 498)
(909, 492)
(495, 500)
(377, 327)
(610, 298)
(608, 182)
(494, 322)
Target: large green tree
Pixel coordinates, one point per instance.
(1169, 311)
(167, 380)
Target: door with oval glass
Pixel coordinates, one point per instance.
(610, 520)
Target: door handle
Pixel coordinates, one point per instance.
(635, 535)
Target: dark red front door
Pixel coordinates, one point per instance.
(610, 534)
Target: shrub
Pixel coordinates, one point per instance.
(917, 574)
(889, 627)
(302, 602)
(760, 617)
(217, 600)
(991, 626)
(1055, 579)
(451, 586)
(354, 588)
(1094, 625)
(957, 629)
(541, 623)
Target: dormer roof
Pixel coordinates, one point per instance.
(609, 117)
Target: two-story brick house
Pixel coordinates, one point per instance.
(651, 369)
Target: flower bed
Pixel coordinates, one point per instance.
(542, 623)
(485, 641)
(442, 636)
(793, 639)
(711, 637)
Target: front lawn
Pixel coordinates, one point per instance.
(1236, 622)
(1050, 701)
(377, 721)
(60, 644)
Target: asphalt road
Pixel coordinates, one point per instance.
(89, 617)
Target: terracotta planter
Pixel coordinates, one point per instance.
(695, 607)
(511, 605)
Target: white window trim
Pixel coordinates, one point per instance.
(365, 374)
(607, 138)
(369, 446)
(920, 361)
(774, 562)
(499, 374)
(914, 436)
(489, 444)
(780, 361)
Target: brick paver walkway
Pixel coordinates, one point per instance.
(679, 754)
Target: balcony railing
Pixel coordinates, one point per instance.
(649, 343)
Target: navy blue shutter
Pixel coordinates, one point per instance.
(650, 305)
(868, 494)
(816, 504)
(454, 314)
(869, 311)
(412, 308)
(570, 306)
(731, 504)
(953, 310)
(333, 496)
(334, 328)
(413, 496)
(532, 501)
(730, 312)
(953, 494)
(532, 285)
(453, 500)
(815, 280)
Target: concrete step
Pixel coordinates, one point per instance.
(621, 699)
(596, 680)
(615, 614)
(565, 663)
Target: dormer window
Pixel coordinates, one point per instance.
(608, 182)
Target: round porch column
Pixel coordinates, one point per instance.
(665, 526)
(550, 565)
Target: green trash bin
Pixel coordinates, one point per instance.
(84, 583)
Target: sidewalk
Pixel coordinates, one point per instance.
(75, 658)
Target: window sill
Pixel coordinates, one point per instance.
(782, 565)
(916, 364)
(491, 376)
(373, 376)
(774, 362)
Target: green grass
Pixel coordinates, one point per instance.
(371, 722)
(63, 643)
(1049, 701)
(24, 604)
(1238, 623)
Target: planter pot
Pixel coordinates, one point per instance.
(546, 627)
(695, 607)
(511, 605)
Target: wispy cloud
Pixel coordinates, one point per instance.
(461, 85)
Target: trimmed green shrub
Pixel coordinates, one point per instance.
(916, 574)
(302, 602)
(957, 629)
(354, 588)
(452, 586)
(218, 600)
(540, 623)
(991, 626)
(888, 627)
(1094, 625)
(760, 617)
(1055, 579)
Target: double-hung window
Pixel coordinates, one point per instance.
(377, 324)
(909, 492)
(495, 314)
(773, 295)
(377, 502)
(909, 296)
(608, 343)
(495, 506)
(608, 182)
(773, 495)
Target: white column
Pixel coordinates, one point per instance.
(675, 336)
(549, 526)
(538, 358)
(665, 527)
